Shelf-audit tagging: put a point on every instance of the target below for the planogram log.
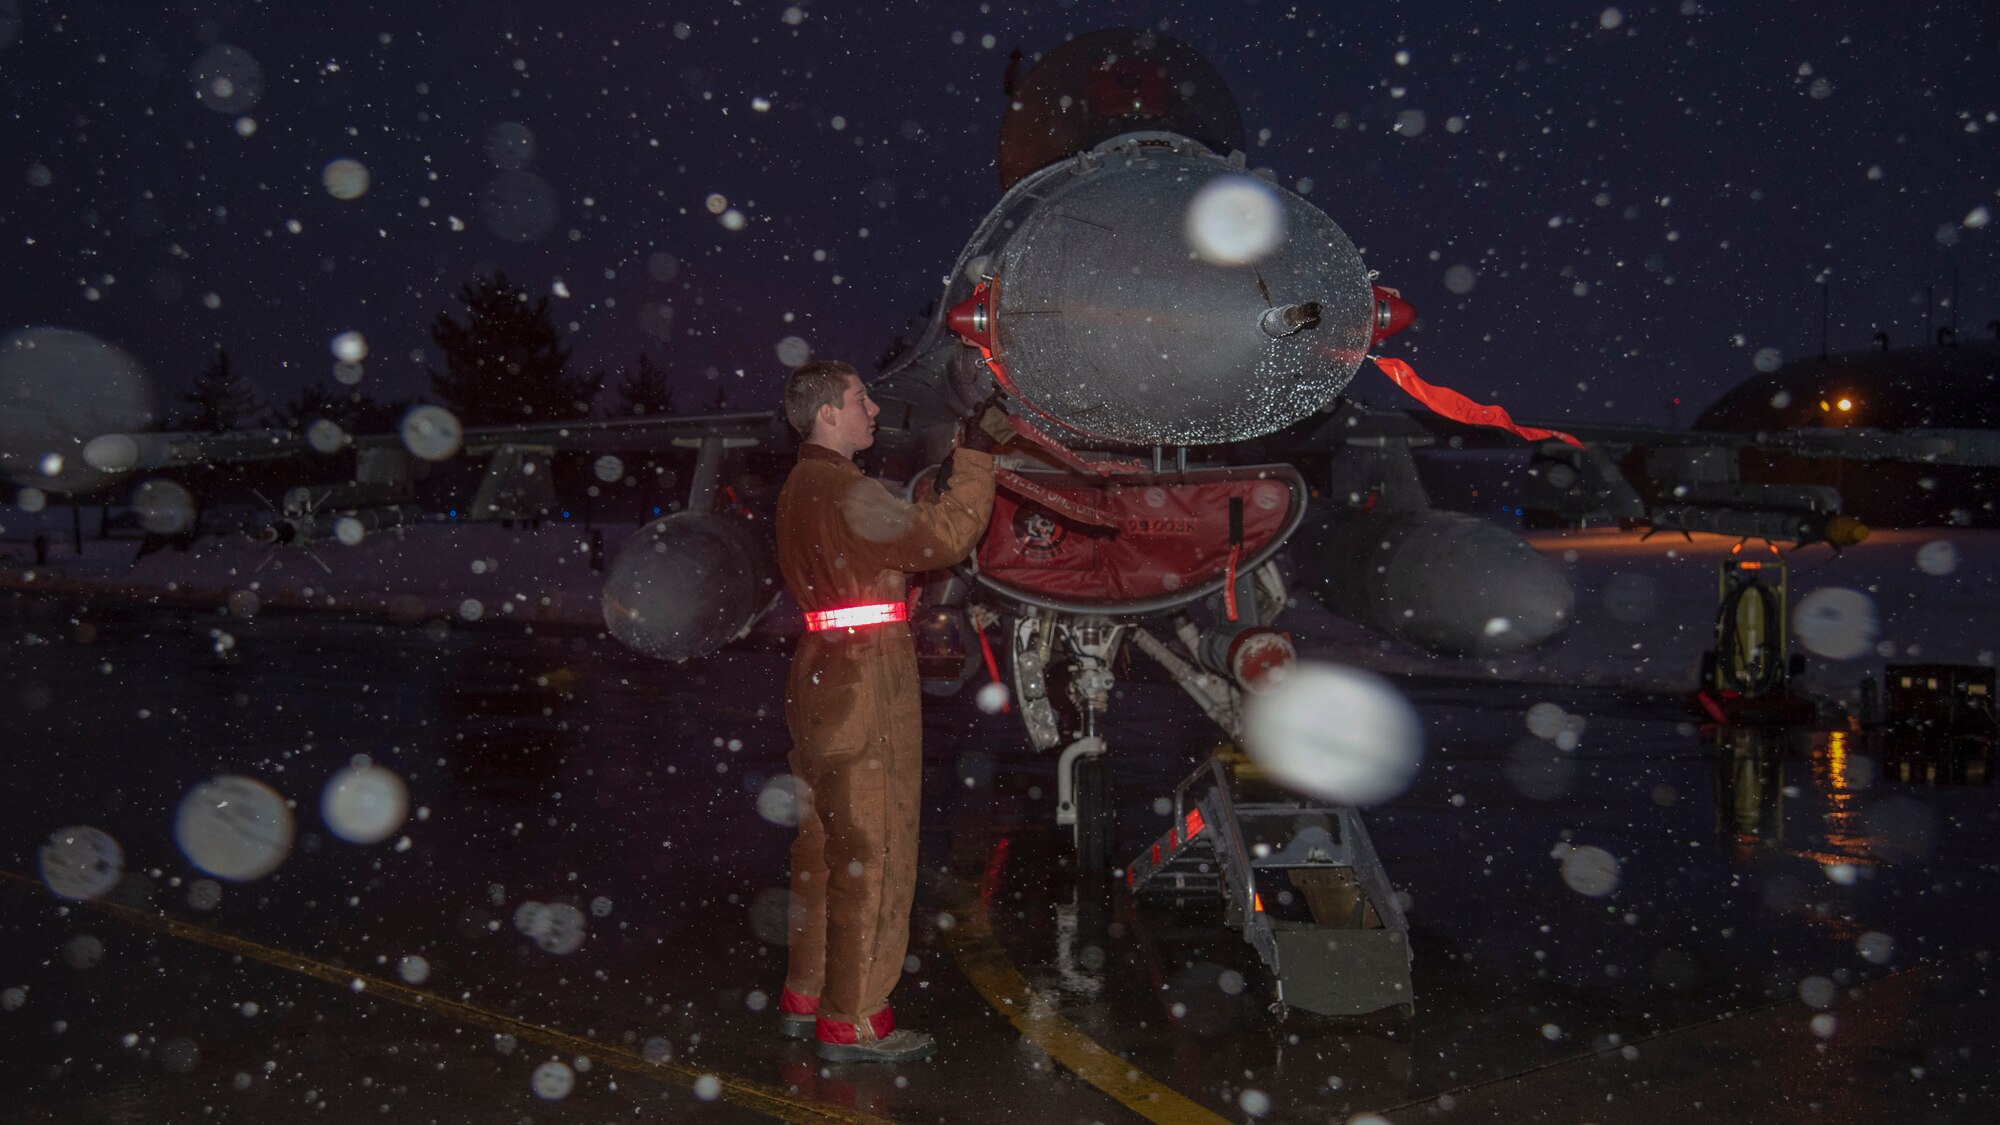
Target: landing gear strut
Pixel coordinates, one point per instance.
(1095, 821)
(1083, 773)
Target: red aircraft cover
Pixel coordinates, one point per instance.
(1172, 535)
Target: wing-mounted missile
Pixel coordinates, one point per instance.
(683, 586)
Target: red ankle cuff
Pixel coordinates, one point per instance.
(840, 1031)
(793, 1003)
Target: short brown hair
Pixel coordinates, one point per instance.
(820, 382)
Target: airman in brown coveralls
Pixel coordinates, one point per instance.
(846, 546)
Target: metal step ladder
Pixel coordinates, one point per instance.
(1299, 878)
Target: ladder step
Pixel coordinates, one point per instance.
(1183, 847)
(1300, 878)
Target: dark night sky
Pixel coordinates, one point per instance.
(1645, 196)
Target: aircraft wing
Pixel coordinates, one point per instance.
(132, 452)
(1929, 446)
(628, 435)
(1665, 479)
(1355, 420)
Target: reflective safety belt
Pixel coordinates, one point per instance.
(856, 616)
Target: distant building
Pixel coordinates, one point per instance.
(1947, 388)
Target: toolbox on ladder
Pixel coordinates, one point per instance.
(1299, 878)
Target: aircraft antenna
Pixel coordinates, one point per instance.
(1825, 313)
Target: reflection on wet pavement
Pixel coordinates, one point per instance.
(1606, 903)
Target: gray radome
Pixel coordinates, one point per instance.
(1112, 322)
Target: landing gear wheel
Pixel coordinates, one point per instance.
(1094, 820)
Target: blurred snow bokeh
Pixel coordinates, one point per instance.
(557, 927)
(553, 1081)
(1587, 870)
(1336, 733)
(163, 506)
(432, 433)
(234, 828)
(778, 801)
(510, 145)
(1835, 622)
(350, 347)
(81, 862)
(1235, 220)
(345, 178)
(1937, 558)
(992, 697)
(364, 803)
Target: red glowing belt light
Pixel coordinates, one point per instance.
(855, 616)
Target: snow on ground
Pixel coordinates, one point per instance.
(455, 569)
(1645, 607)
(1646, 610)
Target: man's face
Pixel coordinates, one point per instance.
(852, 426)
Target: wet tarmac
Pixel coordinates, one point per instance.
(1658, 923)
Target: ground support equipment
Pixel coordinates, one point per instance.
(1299, 878)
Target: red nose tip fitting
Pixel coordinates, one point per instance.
(1392, 314)
(972, 318)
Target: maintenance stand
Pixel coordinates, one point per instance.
(1299, 878)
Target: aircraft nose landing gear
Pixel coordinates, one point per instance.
(1083, 783)
(1083, 801)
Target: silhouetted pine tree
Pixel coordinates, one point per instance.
(645, 390)
(352, 410)
(506, 363)
(221, 399)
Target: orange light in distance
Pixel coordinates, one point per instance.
(1845, 404)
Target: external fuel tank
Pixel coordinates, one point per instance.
(685, 585)
(1448, 582)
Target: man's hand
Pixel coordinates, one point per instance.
(987, 428)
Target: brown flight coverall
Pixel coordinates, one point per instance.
(853, 705)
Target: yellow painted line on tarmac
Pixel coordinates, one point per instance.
(767, 1100)
(984, 963)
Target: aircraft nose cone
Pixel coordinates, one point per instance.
(1150, 295)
